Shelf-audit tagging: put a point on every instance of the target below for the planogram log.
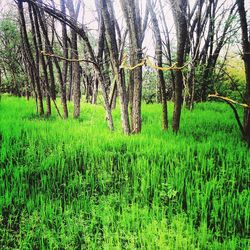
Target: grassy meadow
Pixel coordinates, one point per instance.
(75, 185)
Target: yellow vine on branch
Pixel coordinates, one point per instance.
(147, 62)
(229, 100)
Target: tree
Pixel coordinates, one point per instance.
(92, 57)
(246, 59)
(65, 49)
(179, 9)
(30, 58)
(74, 12)
(40, 57)
(44, 28)
(201, 34)
(158, 52)
(118, 73)
(134, 23)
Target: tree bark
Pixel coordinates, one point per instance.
(65, 51)
(43, 63)
(179, 12)
(132, 15)
(168, 48)
(119, 73)
(31, 60)
(246, 59)
(60, 77)
(158, 52)
(37, 62)
(100, 48)
(75, 65)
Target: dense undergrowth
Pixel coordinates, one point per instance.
(75, 185)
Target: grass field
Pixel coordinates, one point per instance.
(75, 185)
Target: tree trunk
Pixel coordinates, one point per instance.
(75, 65)
(113, 95)
(65, 52)
(158, 52)
(37, 62)
(31, 60)
(246, 58)
(100, 48)
(95, 91)
(179, 13)
(119, 73)
(133, 20)
(70, 81)
(45, 73)
(60, 77)
(168, 48)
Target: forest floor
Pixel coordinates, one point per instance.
(75, 185)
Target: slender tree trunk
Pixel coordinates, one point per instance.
(168, 47)
(32, 79)
(75, 65)
(131, 83)
(100, 48)
(246, 59)
(65, 51)
(95, 92)
(119, 73)
(88, 89)
(37, 63)
(189, 102)
(179, 13)
(158, 51)
(133, 19)
(60, 77)
(76, 77)
(31, 60)
(42, 59)
(113, 95)
(70, 81)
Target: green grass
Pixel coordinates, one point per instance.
(75, 185)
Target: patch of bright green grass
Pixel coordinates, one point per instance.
(75, 185)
